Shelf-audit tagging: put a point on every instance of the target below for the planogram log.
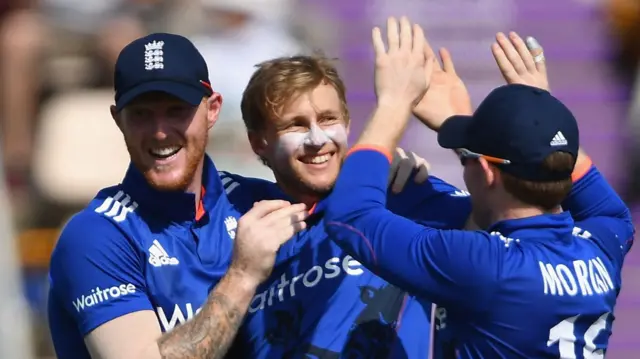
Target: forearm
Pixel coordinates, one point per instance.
(211, 332)
(386, 126)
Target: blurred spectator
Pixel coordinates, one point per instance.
(50, 44)
(236, 36)
(624, 21)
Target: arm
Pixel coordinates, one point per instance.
(434, 203)
(595, 205)
(126, 326)
(441, 265)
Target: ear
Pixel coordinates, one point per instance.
(214, 104)
(489, 172)
(258, 143)
(117, 116)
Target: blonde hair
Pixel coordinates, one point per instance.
(278, 81)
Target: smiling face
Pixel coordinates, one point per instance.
(166, 137)
(305, 146)
(297, 119)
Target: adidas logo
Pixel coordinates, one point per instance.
(158, 257)
(559, 140)
(117, 207)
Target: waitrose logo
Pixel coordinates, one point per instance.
(99, 295)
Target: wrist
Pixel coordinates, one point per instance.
(394, 104)
(242, 279)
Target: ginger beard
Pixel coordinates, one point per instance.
(173, 173)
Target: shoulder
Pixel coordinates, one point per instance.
(248, 188)
(100, 227)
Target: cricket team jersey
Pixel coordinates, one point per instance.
(134, 248)
(538, 287)
(321, 303)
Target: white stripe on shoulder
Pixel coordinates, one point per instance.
(117, 207)
(228, 183)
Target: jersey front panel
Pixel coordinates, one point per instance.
(183, 263)
(321, 303)
(130, 251)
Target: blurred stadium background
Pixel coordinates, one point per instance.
(59, 144)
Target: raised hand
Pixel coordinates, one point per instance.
(400, 70)
(447, 94)
(261, 232)
(520, 62)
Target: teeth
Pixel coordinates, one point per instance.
(320, 159)
(165, 151)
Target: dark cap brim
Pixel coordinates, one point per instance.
(187, 93)
(454, 132)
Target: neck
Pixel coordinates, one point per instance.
(520, 212)
(298, 196)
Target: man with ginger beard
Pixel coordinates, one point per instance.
(159, 244)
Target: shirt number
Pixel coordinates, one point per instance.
(563, 334)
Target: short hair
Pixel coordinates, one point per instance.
(277, 81)
(546, 195)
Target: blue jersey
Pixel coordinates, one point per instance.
(539, 287)
(134, 248)
(321, 303)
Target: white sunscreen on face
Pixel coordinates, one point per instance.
(294, 142)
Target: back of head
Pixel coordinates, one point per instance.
(528, 135)
(547, 195)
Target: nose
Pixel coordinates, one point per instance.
(159, 126)
(316, 138)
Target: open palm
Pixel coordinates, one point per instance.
(447, 94)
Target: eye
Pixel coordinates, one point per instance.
(179, 111)
(329, 119)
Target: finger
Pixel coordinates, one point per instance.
(283, 215)
(406, 36)
(286, 233)
(523, 51)
(429, 54)
(398, 155)
(423, 172)
(402, 176)
(506, 67)
(419, 42)
(393, 38)
(537, 51)
(429, 68)
(511, 53)
(263, 208)
(447, 61)
(378, 44)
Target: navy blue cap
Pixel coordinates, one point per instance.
(520, 124)
(161, 62)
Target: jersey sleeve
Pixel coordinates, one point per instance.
(434, 203)
(444, 266)
(96, 272)
(596, 206)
